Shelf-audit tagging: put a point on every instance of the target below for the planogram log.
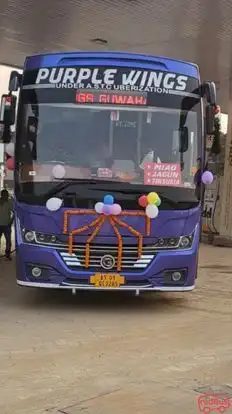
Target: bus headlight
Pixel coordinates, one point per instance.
(186, 242)
(45, 238)
(40, 237)
(172, 243)
(29, 236)
(165, 243)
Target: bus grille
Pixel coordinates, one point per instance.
(130, 259)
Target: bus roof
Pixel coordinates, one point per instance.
(67, 59)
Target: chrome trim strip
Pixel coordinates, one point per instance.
(77, 263)
(65, 246)
(70, 259)
(124, 267)
(143, 261)
(103, 247)
(88, 287)
(78, 258)
(67, 255)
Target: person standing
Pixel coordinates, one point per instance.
(6, 220)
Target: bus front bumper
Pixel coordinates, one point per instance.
(56, 275)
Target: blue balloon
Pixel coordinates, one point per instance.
(109, 199)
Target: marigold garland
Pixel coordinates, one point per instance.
(120, 244)
(98, 223)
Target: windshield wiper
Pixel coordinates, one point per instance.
(106, 185)
(66, 182)
(102, 185)
(170, 201)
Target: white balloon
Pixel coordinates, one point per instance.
(10, 149)
(58, 171)
(152, 211)
(54, 204)
(98, 207)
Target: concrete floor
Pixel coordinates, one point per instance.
(114, 353)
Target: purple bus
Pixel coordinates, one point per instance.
(108, 159)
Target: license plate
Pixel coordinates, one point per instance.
(107, 280)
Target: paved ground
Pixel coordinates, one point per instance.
(116, 354)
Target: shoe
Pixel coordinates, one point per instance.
(8, 258)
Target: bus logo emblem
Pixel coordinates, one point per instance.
(107, 262)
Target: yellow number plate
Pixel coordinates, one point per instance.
(107, 280)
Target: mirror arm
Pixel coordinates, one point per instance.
(187, 104)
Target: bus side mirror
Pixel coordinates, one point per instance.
(183, 140)
(210, 119)
(210, 92)
(8, 110)
(15, 81)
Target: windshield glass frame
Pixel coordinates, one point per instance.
(21, 137)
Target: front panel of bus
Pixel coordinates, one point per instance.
(119, 130)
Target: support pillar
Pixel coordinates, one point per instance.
(225, 226)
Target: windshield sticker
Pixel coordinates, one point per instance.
(110, 79)
(107, 79)
(114, 115)
(162, 174)
(104, 173)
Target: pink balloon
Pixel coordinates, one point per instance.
(116, 209)
(106, 210)
(10, 163)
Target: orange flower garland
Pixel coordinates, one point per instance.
(97, 225)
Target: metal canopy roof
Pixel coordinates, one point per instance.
(199, 31)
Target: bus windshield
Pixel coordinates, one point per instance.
(131, 143)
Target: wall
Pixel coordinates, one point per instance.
(213, 194)
(4, 77)
(5, 72)
(4, 80)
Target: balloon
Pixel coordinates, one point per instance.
(207, 177)
(152, 198)
(10, 163)
(158, 202)
(109, 199)
(10, 149)
(58, 171)
(54, 204)
(106, 210)
(143, 202)
(152, 211)
(99, 207)
(116, 209)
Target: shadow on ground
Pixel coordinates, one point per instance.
(16, 296)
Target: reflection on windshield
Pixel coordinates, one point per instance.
(130, 144)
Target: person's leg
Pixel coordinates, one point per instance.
(1, 233)
(7, 234)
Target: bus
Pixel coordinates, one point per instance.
(107, 150)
